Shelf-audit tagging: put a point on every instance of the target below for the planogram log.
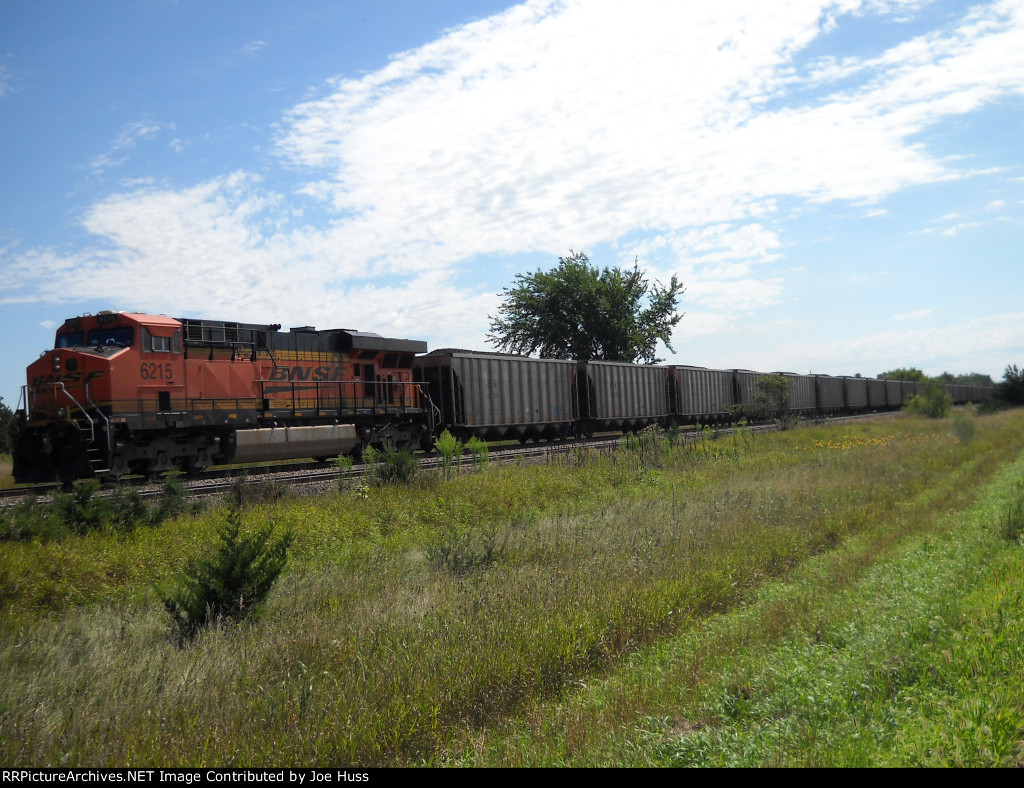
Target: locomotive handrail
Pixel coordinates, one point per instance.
(218, 343)
(102, 415)
(379, 396)
(92, 424)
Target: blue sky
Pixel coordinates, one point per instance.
(840, 185)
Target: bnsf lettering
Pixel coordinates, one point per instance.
(316, 374)
(72, 378)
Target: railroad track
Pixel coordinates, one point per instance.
(311, 474)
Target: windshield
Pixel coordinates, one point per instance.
(120, 336)
(71, 339)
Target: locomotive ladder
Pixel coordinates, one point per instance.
(97, 459)
(86, 424)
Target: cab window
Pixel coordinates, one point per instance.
(118, 336)
(70, 339)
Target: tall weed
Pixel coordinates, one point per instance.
(449, 448)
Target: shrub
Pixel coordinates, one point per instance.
(172, 499)
(81, 510)
(391, 465)
(129, 510)
(933, 402)
(230, 581)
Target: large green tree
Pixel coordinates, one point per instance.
(577, 311)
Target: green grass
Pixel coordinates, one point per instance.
(917, 663)
(522, 615)
(893, 652)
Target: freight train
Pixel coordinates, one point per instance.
(130, 393)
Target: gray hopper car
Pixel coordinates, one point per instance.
(704, 396)
(855, 392)
(620, 396)
(831, 394)
(495, 396)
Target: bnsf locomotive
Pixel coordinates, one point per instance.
(128, 393)
(125, 393)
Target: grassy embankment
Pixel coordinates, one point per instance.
(771, 599)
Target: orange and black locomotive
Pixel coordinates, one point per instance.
(124, 393)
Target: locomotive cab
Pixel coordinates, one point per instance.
(108, 376)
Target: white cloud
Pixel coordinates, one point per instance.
(188, 252)
(575, 115)
(126, 141)
(951, 231)
(719, 266)
(554, 124)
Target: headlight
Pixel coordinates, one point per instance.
(60, 413)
